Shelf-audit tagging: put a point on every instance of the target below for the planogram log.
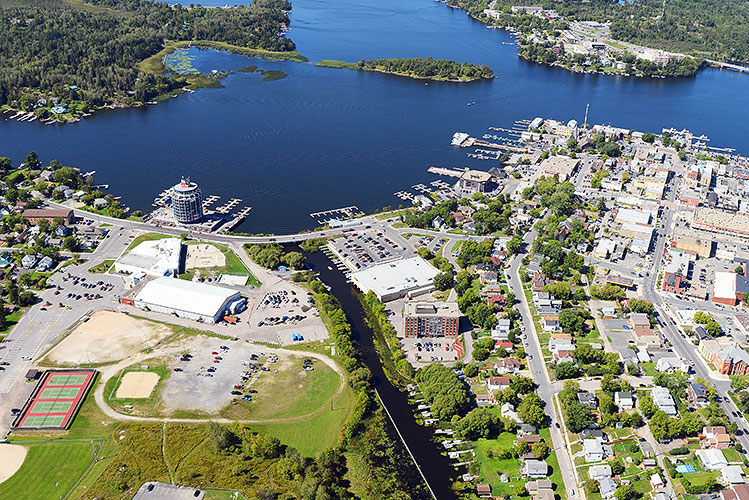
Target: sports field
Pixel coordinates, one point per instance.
(55, 400)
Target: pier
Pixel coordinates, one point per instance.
(450, 172)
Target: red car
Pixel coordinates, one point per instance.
(238, 386)
(216, 361)
(214, 353)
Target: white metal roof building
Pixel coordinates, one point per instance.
(186, 299)
(393, 280)
(155, 258)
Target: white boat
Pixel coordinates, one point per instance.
(459, 138)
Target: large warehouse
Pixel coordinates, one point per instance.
(395, 279)
(186, 299)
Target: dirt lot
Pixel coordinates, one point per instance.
(108, 336)
(204, 255)
(137, 385)
(11, 459)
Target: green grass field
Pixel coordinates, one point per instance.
(103, 267)
(47, 464)
(141, 406)
(146, 237)
(233, 265)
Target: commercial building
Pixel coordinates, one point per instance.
(562, 166)
(719, 222)
(395, 279)
(34, 215)
(431, 319)
(187, 202)
(729, 288)
(155, 258)
(474, 181)
(186, 299)
(693, 245)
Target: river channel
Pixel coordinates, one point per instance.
(436, 468)
(324, 138)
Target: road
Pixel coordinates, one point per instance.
(537, 367)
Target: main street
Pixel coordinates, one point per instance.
(537, 367)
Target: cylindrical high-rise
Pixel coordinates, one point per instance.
(187, 202)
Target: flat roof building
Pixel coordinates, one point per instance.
(719, 222)
(693, 245)
(562, 166)
(474, 181)
(431, 319)
(395, 279)
(155, 258)
(34, 215)
(186, 299)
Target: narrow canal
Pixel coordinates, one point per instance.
(435, 467)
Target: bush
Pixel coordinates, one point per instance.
(681, 450)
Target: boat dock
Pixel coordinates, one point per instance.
(450, 172)
(244, 212)
(210, 200)
(325, 216)
(229, 206)
(404, 195)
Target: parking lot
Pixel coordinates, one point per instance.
(370, 246)
(431, 243)
(429, 349)
(218, 370)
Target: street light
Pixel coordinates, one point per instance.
(58, 490)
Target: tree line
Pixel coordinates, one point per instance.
(91, 53)
(436, 69)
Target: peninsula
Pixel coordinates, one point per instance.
(108, 53)
(419, 68)
(626, 38)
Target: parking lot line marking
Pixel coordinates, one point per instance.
(27, 330)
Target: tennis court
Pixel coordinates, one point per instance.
(66, 379)
(51, 407)
(59, 393)
(55, 400)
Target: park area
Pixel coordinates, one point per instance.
(106, 337)
(55, 400)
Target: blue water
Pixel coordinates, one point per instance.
(324, 138)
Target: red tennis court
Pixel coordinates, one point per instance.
(55, 400)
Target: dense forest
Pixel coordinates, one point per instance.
(717, 29)
(419, 67)
(87, 54)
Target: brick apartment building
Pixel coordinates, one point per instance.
(430, 319)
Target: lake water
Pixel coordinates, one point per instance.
(325, 138)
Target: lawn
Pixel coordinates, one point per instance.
(490, 466)
(10, 321)
(556, 472)
(103, 267)
(146, 237)
(233, 265)
(648, 368)
(732, 455)
(48, 464)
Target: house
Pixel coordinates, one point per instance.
(715, 437)
(483, 490)
(640, 320)
(593, 450)
(535, 469)
(100, 203)
(497, 383)
(593, 433)
(550, 323)
(556, 345)
(624, 400)
(656, 481)
(598, 472)
(502, 330)
(62, 231)
(663, 400)
(607, 487)
(733, 474)
(740, 492)
(28, 261)
(524, 429)
(588, 399)
(488, 278)
(483, 400)
(507, 410)
(697, 395)
(507, 365)
(671, 365)
(530, 438)
(711, 459)
(45, 264)
(537, 485)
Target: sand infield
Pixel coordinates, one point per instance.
(204, 255)
(11, 459)
(136, 385)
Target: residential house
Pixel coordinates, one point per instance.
(715, 437)
(556, 345)
(656, 482)
(733, 474)
(488, 278)
(531, 439)
(671, 365)
(550, 323)
(663, 400)
(495, 384)
(535, 469)
(28, 261)
(593, 450)
(538, 484)
(599, 472)
(524, 429)
(607, 487)
(508, 365)
(45, 264)
(588, 399)
(507, 410)
(539, 281)
(483, 400)
(697, 395)
(624, 400)
(484, 490)
(502, 330)
(712, 459)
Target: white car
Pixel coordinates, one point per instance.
(26, 358)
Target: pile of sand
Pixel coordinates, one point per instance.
(11, 459)
(137, 385)
(108, 336)
(204, 255)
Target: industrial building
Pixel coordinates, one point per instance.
(395, 279)
(187, 202)
(186, 299)
(155, 258)
(431, 319)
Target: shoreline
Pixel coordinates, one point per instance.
(329, 63)
(155, 66)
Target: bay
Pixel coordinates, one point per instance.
(323, 138)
